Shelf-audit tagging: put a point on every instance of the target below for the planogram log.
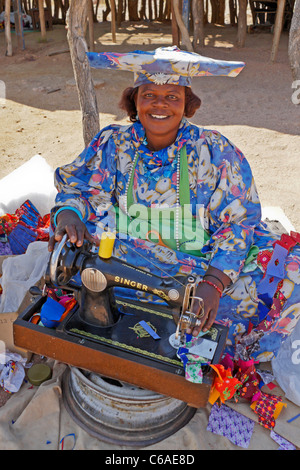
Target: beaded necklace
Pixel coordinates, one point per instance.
(177, 205)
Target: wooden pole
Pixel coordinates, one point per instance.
(184, 32)
(277, 28)
(9, 51)
(221, 12)
(242, 23)
(113, 20)
(185, 13)
(198, 17)
(175, 29)
(42, 20)
(76, 27)
(91, 25)
(19, 24)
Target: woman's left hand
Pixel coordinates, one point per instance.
(211, 300)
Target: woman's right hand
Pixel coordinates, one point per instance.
(69, 223)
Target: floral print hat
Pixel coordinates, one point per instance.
(164, 65)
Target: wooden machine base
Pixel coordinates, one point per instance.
(111, 358)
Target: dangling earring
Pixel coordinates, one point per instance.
(137, 116)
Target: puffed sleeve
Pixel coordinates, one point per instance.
(234, 208)
(88, 183)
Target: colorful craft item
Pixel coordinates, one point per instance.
(242, 380)
(270, 298)
(42, 228)
(28, 214)
(247, 344)
(69, 305)
(229, 423)
(295, 236)
(273, 264)
(288, 241)
(268, 408)
(224, 386)
(18, 230)
(283, 443)
(249, 379)
(263, 259)
(192, 363)
(20, 238)
(51, 313)
(5, 249)
(57, 306)
(274, 313)
(7, 223)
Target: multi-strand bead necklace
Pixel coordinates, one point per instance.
(177, 205)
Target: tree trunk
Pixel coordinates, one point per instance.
(184, 32)
(76, 27)
(198, 18)
(232, 12)
(142, 11)
(214, 11)
(150, 10)
(155, 10)
(161, 10)
(242, 23)
(167, 11)
(221, 12)
(56, 11)
(133, 10)
(107, 11)
(96, 11)
(294, 42)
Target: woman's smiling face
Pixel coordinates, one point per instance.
(160, 109)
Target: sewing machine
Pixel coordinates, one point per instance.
(132, 341)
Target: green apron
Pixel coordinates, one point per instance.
(158, 224)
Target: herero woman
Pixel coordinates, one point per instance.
(182, 200)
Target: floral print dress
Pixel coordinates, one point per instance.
(223, 197)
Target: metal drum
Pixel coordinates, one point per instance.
(120, 413)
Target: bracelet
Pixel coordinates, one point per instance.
(211, 275)
(213, 285)
(69, 208)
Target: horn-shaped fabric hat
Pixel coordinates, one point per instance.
(164, 65)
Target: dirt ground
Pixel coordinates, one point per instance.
(40, 112)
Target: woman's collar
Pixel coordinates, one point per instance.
(139, 135)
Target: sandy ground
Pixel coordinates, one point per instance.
(40, 113)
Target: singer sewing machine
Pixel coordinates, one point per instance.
(132, 341)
